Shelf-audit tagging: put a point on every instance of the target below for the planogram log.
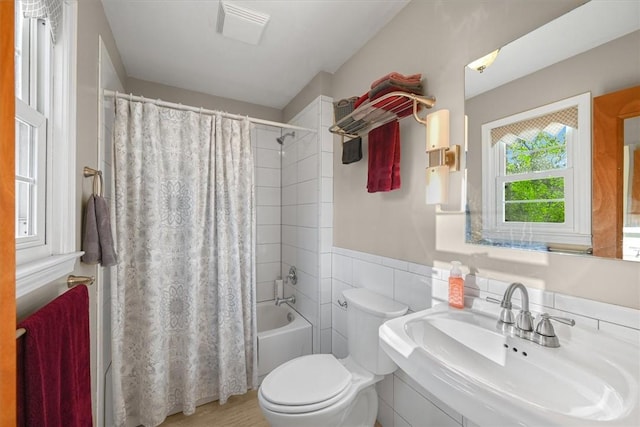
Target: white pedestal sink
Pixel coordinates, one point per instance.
(496, 379)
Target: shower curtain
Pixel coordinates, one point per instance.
(183, 305)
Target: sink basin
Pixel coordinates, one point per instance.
(496, 379)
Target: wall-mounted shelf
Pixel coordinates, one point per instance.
(370, 115)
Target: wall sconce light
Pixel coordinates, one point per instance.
(481, 64)
(442, 159)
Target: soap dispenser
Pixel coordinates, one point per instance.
(456, 286)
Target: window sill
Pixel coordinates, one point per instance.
(33, 275)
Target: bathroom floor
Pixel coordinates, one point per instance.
(239, 411)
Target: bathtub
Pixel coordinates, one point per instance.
(283, 334)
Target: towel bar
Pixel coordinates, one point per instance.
(20, 332)
(379, 111)
(97, 179)
(78, 280)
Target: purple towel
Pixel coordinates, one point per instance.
(56, 365)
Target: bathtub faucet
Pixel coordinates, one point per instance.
(291, 299)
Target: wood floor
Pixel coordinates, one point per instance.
(239, 411)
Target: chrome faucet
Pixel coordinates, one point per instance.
(524, 321)
(291, 299)
(544, 333)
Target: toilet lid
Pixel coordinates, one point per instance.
(306, 380)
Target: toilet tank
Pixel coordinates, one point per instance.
(366, 311)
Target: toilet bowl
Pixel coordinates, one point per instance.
(321, 390)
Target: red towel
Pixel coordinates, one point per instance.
(56, 363)
(363, 98)
(387, 87)
(395, 77)
(384, 158)
(394, 103)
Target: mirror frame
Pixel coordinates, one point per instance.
(609, 112)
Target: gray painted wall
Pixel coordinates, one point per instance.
(437, 39)
(321, 84)
(154, 90)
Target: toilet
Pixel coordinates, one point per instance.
(320, 390)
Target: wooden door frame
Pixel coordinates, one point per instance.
(7, 213)
(609, 113)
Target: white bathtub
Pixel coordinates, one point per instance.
(282, 335)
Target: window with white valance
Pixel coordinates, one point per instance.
(45, 90)
(537, 174)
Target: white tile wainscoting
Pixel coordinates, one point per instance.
(403, 402)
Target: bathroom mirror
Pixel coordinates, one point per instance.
(589, 52)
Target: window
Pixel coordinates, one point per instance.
(45, 141)
(537, 185)
(33, 141)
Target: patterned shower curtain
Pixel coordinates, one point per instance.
(183, 304)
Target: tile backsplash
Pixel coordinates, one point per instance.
(403, 402)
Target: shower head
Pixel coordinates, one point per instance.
(282, 138)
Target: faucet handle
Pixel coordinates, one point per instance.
(545, 334)
(506, 315)
(499, 301)
(292, 277)
(545, 327)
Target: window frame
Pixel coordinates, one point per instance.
(38, 159)
(576, 230)
(35, 266)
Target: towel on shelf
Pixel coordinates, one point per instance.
(354, 127)
(398, 78)
(343, 108)
(393, 103)
(363, 98)
(97, 240)
(56, 363)
(398, 82)
(352, 151)
(384, 158)
(387, 87)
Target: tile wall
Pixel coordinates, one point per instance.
(307, 215)
(267, 162)
(402, 402)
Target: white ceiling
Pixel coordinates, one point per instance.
(175, 42)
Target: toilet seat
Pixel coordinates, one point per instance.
(306, 384)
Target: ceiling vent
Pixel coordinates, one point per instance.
(240, 23)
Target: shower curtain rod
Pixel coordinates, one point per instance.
(108, 92)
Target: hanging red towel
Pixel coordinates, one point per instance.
(56, 363)
(384, 158)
